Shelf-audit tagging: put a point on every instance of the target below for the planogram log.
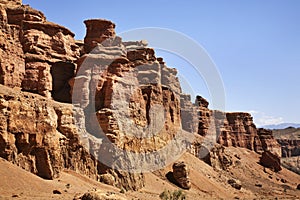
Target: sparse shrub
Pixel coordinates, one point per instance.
(175, 195)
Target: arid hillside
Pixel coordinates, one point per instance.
(103, 118)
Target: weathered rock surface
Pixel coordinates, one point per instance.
(135, 98)
(235, 183)
(188, 113)
(41, 136)
(181, 175)
(29, 46)
(289, 140)
(289, 147)
(218, 159)
(234, 129)
(11, 2)
(98, 31)
(270, 160)
(268, 142)
(122, 94)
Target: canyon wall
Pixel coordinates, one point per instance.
(44, 136)
(290, 147)
(235, 129)
(29, 46)
(121, 94)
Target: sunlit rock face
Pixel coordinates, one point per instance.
(29, 46)
(122, 96)
(232, 129)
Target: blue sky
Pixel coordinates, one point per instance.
(255, 44)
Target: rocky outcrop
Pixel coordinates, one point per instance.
(189, 113)
(235, 183)
(11, 2)
(218, 158)
(126, 102)
(29, 46)
(270, 160)
(244, 133)
(268, 142)
(113, 78)
(234, 129)
(131, 94)
(181, 175)
(204, 115)
(97, 32)
(289, 140)
(12, 62)
(41, 136)
(289, 147)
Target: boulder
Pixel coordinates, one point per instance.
(235, 183)
(270, 160)
(100, 195)
(181, 174)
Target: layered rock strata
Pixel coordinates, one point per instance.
(29, 46)
(289, 147)
(131, 99)
(181, 174)
(232, 129)
(126, 102)
(41, 136)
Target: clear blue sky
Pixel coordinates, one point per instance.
(255, 44)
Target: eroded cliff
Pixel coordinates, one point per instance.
(121, 94)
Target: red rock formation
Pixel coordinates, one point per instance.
(234, 129)
(270, 160)
(289, 147)
(97, 31)
(118, 70)
(218, 158)
(12, 63)
(120, 87)
(268, 142)
(29, 46)
(11, 2)
(204, 115)
(243, 130)
(189, 119)
(40, 136)
(181, 175)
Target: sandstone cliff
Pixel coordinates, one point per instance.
(125, 101)
(44, 136)
(30, 46)
(235, 129)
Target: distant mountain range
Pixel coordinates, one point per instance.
(281, 126)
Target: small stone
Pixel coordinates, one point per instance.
(56, 192)
(258, 185)
(235, 184)
(283, 180)
(270, 177)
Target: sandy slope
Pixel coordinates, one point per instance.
(206, 182)
(16, 181)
